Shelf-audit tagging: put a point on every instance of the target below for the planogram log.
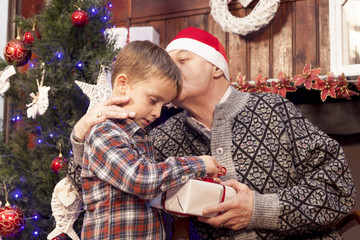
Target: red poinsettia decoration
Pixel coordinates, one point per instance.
(308, 77)
(327, 87)
(260, 85)
(241, 84)
(357, 84)
(332, 86)
(283, 85)
(342, 89)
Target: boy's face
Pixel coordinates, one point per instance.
(147, 97)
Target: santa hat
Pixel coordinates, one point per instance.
(204, 45)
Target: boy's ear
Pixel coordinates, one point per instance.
(120, 84)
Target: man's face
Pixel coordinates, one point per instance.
(197, 75)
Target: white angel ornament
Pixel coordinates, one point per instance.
(4, 78)
(66, 205)
(40, 101)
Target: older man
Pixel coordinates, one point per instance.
(291, 179)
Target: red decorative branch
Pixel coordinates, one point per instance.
(308, 77)
(283, 85)
(357, 85)
(332, 86)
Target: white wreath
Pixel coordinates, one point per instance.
(259, 17)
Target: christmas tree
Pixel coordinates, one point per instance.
(68, 43)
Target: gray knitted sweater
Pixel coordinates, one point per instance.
(300, 178)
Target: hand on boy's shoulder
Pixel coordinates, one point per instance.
(108, 109)
(112, 109)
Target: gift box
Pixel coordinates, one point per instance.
(191, 198)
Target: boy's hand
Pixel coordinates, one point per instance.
(213, 168)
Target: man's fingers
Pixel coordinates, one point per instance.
(218, 208)
(117, 100)
(234, 184)
(118, 112)
(217, 221)
(115, 104)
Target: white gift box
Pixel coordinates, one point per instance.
(120, 35)
(191, 198)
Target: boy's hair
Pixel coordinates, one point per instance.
(141, 60)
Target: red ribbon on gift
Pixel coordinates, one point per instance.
(211, 180)
(206, 179)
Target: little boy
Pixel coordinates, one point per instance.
(119, 173)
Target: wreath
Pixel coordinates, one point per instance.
(259, 17)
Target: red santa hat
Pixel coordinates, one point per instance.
(203, 44)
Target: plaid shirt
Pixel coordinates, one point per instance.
(119, 175)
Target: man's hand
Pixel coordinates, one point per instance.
(235, 213)
(110, 108)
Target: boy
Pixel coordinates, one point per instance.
(119, 173)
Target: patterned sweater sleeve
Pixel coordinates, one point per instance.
(322, 190)
(78, 150)
(112, 157)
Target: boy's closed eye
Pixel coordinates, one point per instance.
(153, 101)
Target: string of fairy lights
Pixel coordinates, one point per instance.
(17, 117)
(60, 56)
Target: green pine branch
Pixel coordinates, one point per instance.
(25, 165)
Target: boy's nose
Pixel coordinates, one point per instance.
(156, 112)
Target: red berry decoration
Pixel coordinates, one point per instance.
(79, 18)
(30, 37)
(58, 164)
(12, 221)
(16, 53)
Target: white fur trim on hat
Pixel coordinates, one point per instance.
(203, 50)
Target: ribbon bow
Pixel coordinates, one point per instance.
(212, 180)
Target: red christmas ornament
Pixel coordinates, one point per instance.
(12, 221)
(30, 37)
(79, 18)
(60, 237)
(58, 164)
(16, 53)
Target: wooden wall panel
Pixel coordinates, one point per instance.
(216, 30)
(198, 21)
(305, 34)
(259, 53)
(160, 7)
(236, 51)
(121, 12)
(282, 41)
(298, 34)
(160, 27)
(173, 26)
(30, 8)
(324, 36)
